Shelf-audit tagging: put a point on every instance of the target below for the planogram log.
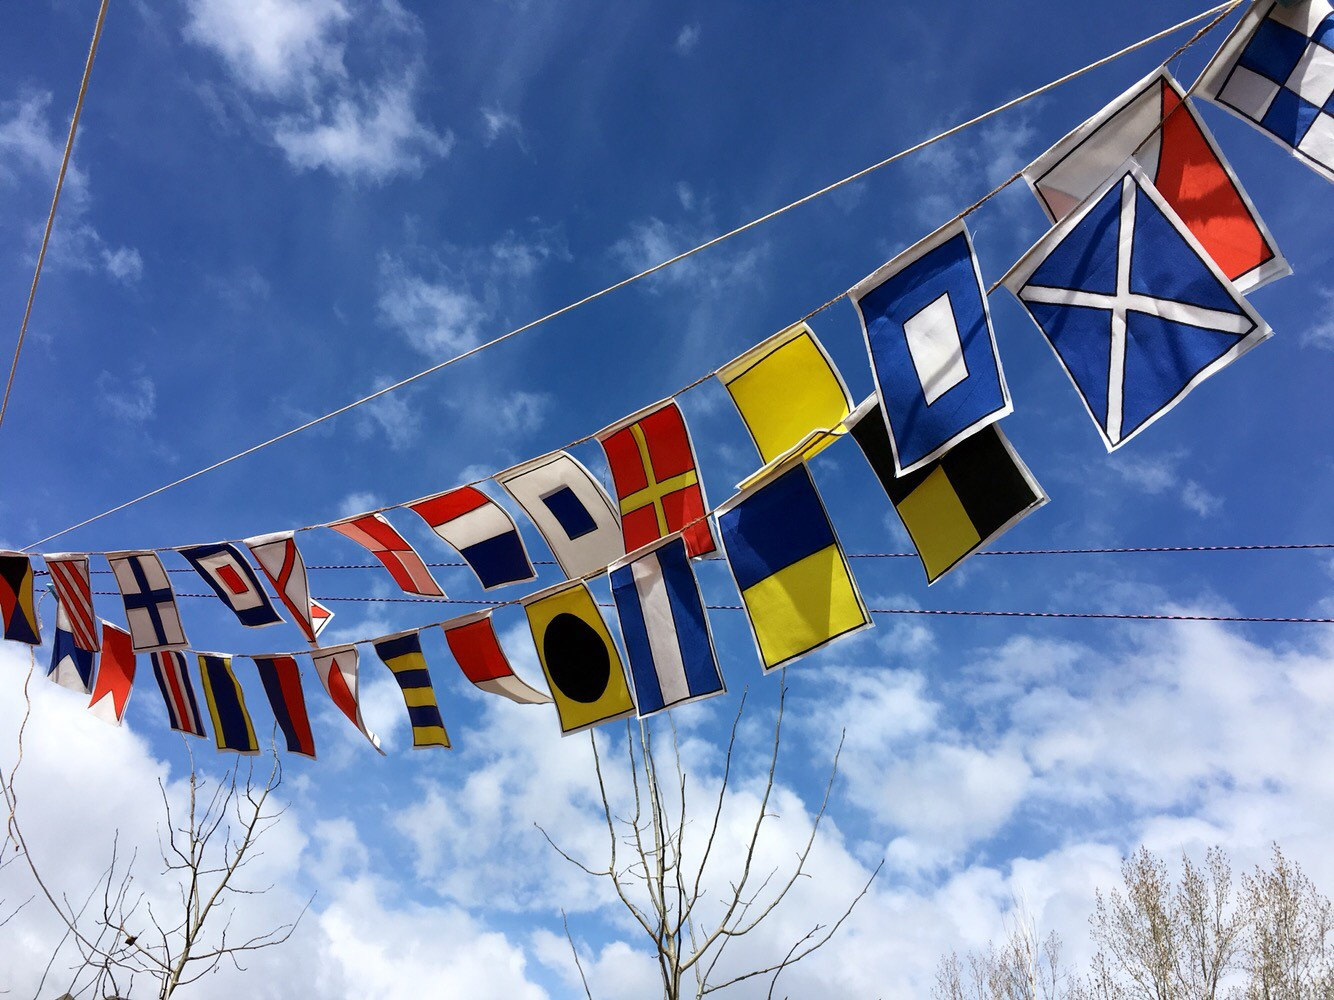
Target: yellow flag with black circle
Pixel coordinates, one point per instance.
(578, 657)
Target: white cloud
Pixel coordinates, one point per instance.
(717, 269)
(131, 400)
(496, 123)
(522, 411)
(686, 39)
(1159, 474)
(1321, 331)
(437, 317)
(123, 264)
(273, 46)
(1201, 501)
(356, 503)
(392, 415)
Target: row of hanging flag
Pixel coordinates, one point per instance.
(1138, 287)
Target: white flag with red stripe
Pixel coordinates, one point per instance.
(337, 667)
(281, 562)
(375, 534)
(74, 591)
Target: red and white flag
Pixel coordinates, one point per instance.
(281, 562)
(472, 640)
(338, 670)
(115, 675)
(375, 534)
(74, 591)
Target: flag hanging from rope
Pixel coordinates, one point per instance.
(578, 657)
(377, 536)
(958, 504)
(281, 562)
(115, 675)
(282, 684)
(1155, 124)
(402, 654)
(150, 604)
(481, 531)
(656, 475)
(74, 592)
(339, 673)
(571, 510)
(794, 579)
(232, 728)
(665, 628)
(178, 694)
(472, 639)
(229, 575)
(1137, 313)
(320, 617)
(933, 352)
(17, 602)
(789, 394)
(1275, 71)
(71, 667)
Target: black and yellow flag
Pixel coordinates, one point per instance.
(960, 502)
(578, 657)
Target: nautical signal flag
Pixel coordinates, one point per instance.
(571, 510)
(665, 628)
(173, 680)
(338, 670)
(957, 504)
(789, 394)
(656, 475)
(933, 352)
(150, 604)
(320, 617)
(282, 684)
(1275, 71)
(578, 657)
(115, 675)
(232, 729)
(1155, 124)
(375, 534)
(71, 667)
(17, 602)
(402, 654)
(229, 575)
(1134, 308)
(792, 574)
(281, 562)
(472, 640)
(481, 531)
(74, 593)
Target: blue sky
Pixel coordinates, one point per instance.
(276, 207)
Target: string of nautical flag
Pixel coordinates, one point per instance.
(1138, 286)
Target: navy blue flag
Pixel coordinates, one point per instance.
(227, 572)
(933, 352)
(1134, 308)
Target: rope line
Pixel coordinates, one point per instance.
(55, 200)
(1221, 10)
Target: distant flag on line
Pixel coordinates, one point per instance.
(665, 628)
(789, 394)
(933, 352)
(656, 475)
(282, 684)
(229, 575)
(481, 531)
(320, 617)
(17, 601)
(1154, 123)
(578, 656)
(150, 604)
(1136, 311)
(281, 562)
(402, 654)
(571, 510)
(173, 680)
(232, 728)
(382, 540)
(115, 675)
(472, 640)
(793, 577)
(338, 670)
(71, 667)
(1276, 72)
(74, 592)
(959, 503)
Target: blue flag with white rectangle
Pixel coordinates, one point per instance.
(1135, 309)
(933, 352)
(665, 628)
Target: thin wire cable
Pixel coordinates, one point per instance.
(55, 201)
(1221, 10)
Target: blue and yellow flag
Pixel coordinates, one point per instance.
(793, 576)
(402, 654)
(226, 704)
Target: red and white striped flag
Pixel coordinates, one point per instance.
(74, 591)
(375, 534)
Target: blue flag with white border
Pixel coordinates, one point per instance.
(666, 630)
(933, 352)
(1136, 311)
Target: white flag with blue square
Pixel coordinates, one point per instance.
(665, 628)
(1135, 309)
(1276, 72)
(571, 510)
(933, 353)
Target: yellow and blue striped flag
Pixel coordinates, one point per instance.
(226, 705)
(402, 654)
